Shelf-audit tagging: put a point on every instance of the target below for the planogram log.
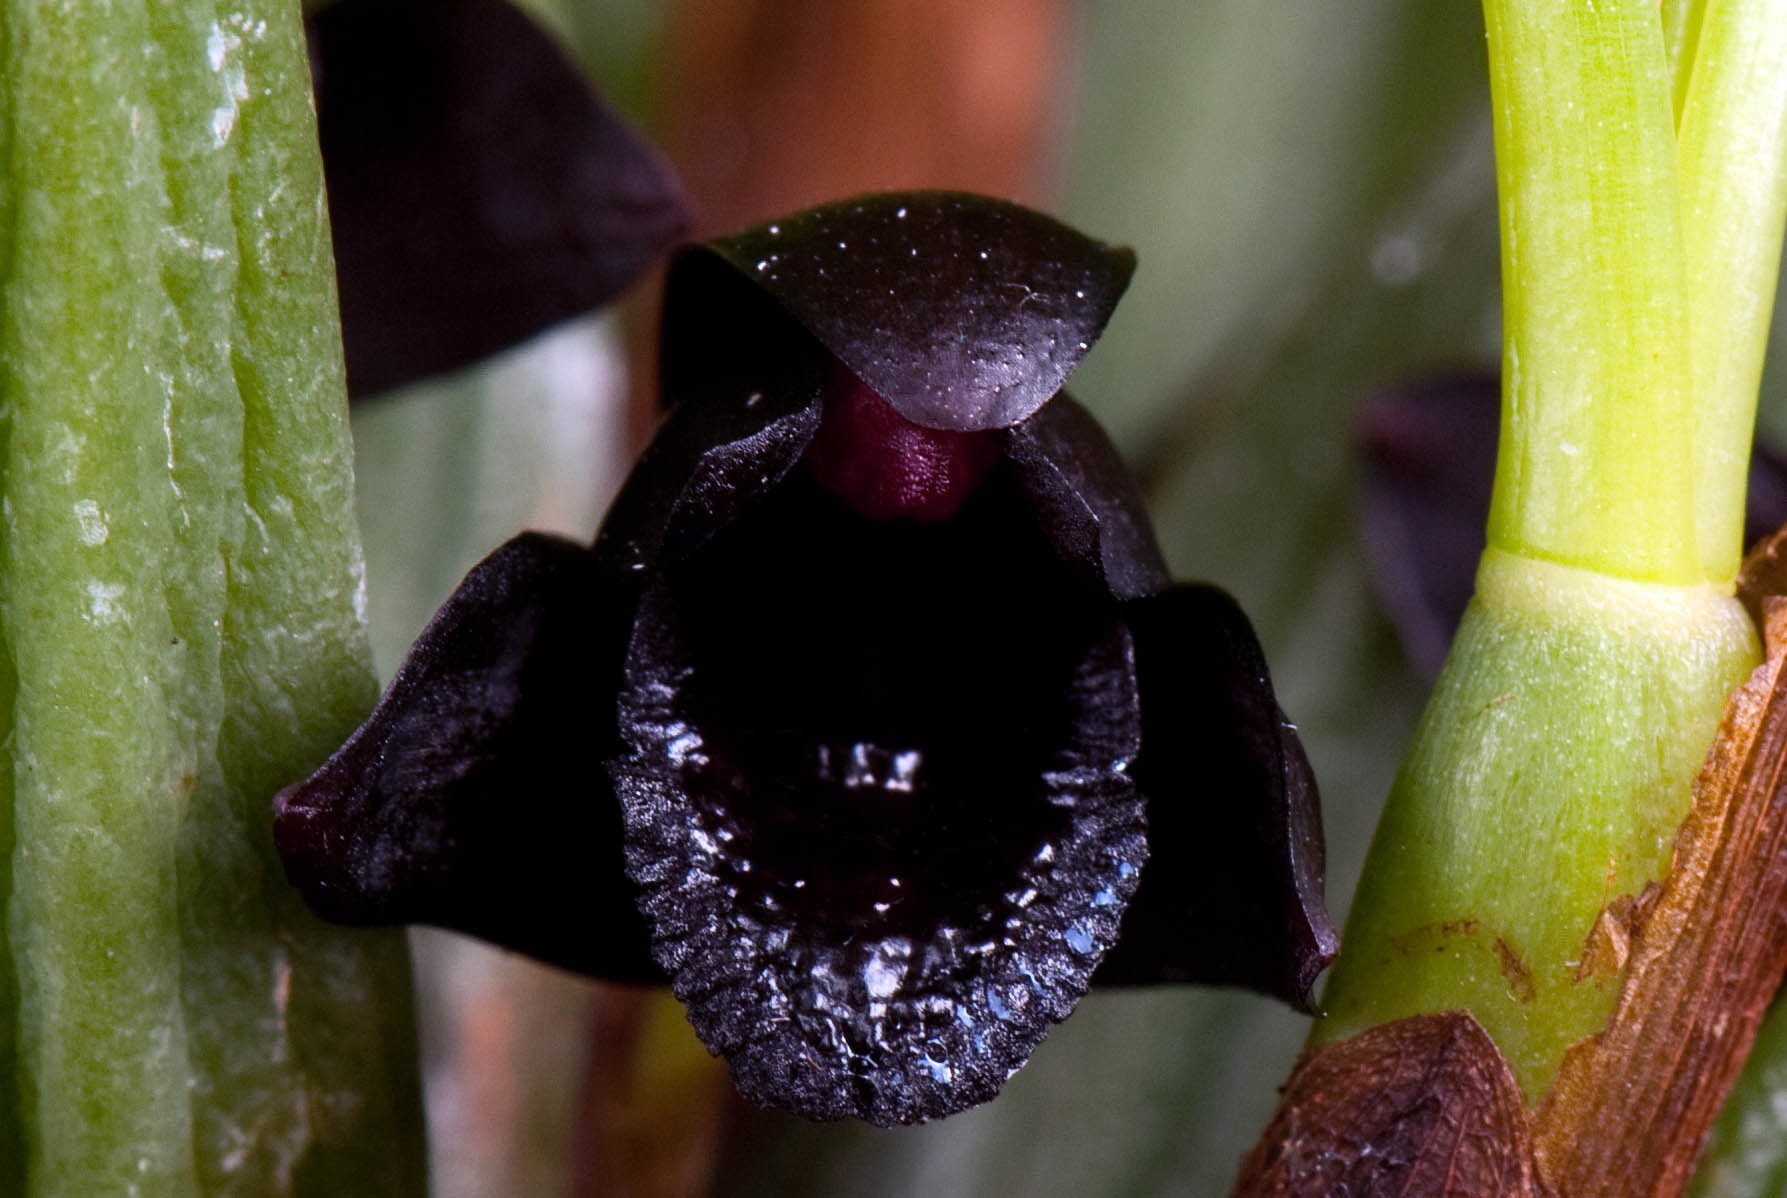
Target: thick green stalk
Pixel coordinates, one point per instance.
(179, 602)
(1591, 470)
(1733, 172)
(93, 918)
(1558, 752)
(1550, 770)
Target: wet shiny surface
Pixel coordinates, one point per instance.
(884, 828)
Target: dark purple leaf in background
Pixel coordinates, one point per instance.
(887, 787)
(1428, 464)
(1427, 451)
(478, 189)
(1765, 503)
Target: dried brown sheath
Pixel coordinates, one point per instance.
(1630, 1108)
(1422, 1106)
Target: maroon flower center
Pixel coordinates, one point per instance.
(885, 466)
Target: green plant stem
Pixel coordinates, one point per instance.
(1546, 779)
(179, 614)
(1681, 31)
(1733, 177)
(1558, 752)
(1591, 470)
(93, 918)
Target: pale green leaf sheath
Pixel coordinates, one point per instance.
(1557, 755)
(179, 574)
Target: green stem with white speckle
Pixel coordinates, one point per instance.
(179, 611)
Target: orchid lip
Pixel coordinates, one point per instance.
(880, 844)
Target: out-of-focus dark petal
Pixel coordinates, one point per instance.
(1427, 450)
(1765, 504)
(478, 189)
(962, 312)
(1427, 453)
(1087, 499)
(473, 797)
(1233, 890)
(876, 795)
(1420, 1106)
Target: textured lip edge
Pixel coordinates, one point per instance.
(1236, 775)
(723, 479)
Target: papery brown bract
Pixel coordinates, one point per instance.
(889, 791)
(1425, 1105)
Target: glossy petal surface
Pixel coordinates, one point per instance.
(962, 312)
(471, 796)
(1221, 766)
(877, 796)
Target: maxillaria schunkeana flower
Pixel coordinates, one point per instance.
(872, 720)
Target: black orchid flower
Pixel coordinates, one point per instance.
(872, 720)
(479, 190)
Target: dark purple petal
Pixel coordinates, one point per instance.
(478, 189)
(962, 312)
(876, 796)
(1233, 891)
(1428, 450)
(473, 796)
(1087, 499)
(1765, 505)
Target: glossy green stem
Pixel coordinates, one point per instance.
(1733, 176)
(1596, 399)
(1549, 772)
(1557, 755)
(180, 609)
